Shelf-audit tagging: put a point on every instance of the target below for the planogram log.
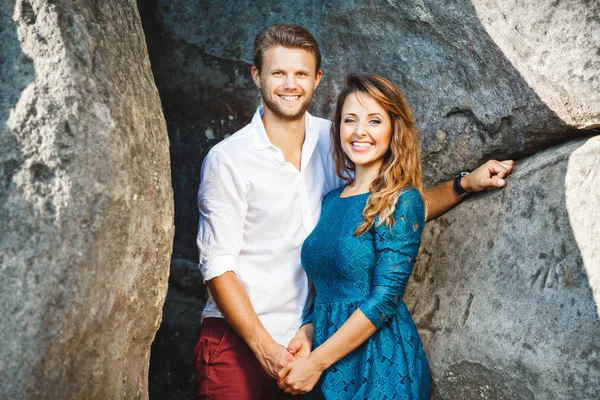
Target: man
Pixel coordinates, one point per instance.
(259, 199)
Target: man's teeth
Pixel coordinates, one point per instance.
(290, 98)
(363, 145)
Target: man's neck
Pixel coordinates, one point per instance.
(287, 136)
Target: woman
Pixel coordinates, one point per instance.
(361, 253)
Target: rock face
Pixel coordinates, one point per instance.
(86, 209)
(552, 53)
(506, 293)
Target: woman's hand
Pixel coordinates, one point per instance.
(300, 377)
(301, 345)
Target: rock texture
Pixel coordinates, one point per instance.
(86, 209)
(506, 288)
(551, 43)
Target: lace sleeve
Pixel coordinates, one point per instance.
(396, 248)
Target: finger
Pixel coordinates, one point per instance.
(509, 165)
(493, 182)
(496, 181)
(284, 371)
(294, 346)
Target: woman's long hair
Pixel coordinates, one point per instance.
(401, 164)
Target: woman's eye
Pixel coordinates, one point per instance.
(375, 121)
(348, 120)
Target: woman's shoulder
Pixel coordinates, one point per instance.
(410, 193)
(332, 194)
(410, 201)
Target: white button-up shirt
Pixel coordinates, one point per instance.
(256, 209)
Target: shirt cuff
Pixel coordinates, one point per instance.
(217, 266)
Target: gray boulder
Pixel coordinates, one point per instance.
(86, 209)
(506, 292)
(551, 44)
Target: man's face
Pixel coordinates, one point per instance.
(287, 81)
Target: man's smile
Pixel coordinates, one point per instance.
(289, 98)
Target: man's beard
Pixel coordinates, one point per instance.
(279, 112)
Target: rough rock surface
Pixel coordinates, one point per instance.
(172, 355)
(86, 209)
(551, 43)
(506, 291)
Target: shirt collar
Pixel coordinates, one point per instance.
(261, 140)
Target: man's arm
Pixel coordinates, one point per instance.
(222, 206)
(442, 197)
(234, 304)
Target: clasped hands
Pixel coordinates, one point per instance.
(295, 371)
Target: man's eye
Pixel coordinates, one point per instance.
(302, 74)
(277, 73)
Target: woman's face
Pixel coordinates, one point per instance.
(365, 130)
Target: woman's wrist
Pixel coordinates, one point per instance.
(319, 360)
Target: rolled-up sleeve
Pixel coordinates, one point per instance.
(396, 249)
(222, 206)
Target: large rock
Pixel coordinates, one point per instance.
(551, 43)
(86, 209)
(506, 293)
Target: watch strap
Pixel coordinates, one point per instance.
(457, 186)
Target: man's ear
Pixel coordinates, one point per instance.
(318, 78)
(256, 76)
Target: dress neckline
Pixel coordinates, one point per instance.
(349, 197)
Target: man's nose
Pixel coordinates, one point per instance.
(290, 81)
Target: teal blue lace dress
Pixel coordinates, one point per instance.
(369, 272)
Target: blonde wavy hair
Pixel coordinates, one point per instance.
(401, 164)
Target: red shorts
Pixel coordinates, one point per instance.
(226, 368)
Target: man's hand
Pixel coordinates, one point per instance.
(301, 344)
(300, 377)
(487, 176)
(273, 357)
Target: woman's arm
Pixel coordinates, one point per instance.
(442, 197)
(301, 376)
(396, 249)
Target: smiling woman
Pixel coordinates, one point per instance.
(361, 254)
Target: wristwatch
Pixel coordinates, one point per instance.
(457, 186)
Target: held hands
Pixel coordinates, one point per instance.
(487, 176)
(301, 345)
(300, 377)
(273, 357)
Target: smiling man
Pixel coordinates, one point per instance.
(259, 198)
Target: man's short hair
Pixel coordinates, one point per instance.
(288, 36)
